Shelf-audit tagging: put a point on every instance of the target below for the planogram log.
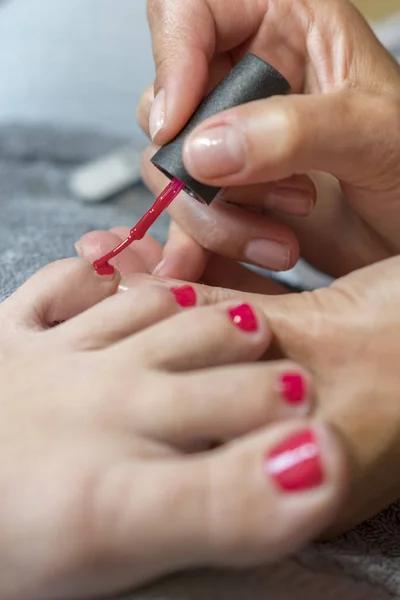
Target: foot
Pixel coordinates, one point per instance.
(104, 395)
(348, 337)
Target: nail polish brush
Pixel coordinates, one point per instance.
(250, 80)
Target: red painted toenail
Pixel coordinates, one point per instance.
(295, 464)
(293, 387)
(185, 295)
(244, 317)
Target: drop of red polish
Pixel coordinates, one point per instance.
(102, 265)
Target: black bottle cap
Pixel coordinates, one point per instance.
(250, 80)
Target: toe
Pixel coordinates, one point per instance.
(96, 244)
(205, 337)
(254, 500)
(272, 492)
(119, 317)
(58, 292)
(222, 403)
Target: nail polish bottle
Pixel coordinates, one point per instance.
(250, 80)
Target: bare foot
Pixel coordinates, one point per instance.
(348, 337)
(97, 490)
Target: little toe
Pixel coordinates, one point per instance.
(96, 244)
(58, 292)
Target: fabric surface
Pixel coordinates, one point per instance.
(39, 223)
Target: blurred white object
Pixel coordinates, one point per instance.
(82, 63)
(110, 175)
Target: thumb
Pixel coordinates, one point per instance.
(344, 133)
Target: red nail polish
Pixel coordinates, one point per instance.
(293, 388)
(243, 317)
(295, 464)
(185, 295)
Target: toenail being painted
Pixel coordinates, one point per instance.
(185, 296)
(295, 464)
(293, 388)
(244, 317)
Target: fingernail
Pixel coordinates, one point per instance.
(185, 295)
(293, 388)
(269, 254)
(244, 318)
(295, 464)
(216, 152)
(287, 200)
(157, 114)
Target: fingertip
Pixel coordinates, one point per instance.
(144, 109)
(175, 100)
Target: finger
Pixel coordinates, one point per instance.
(58, 292)
(183, 258)
(119, 317)
(227, 274)
(180, 49)
(217, 69)
(335, 133)
(144, 109)
(224, 403)
(229, 230)
(295, 196)
(96, 244)
(202, 338)
(254, 500)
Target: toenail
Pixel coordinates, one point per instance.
(185, 296)
(295, 464)
(293, 388)
(244, 318)
(107, 277)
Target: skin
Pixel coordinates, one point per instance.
(334, 140)
(347, 336)
(105, 430)
(342, 135)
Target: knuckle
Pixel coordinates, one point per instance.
(291, 141)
